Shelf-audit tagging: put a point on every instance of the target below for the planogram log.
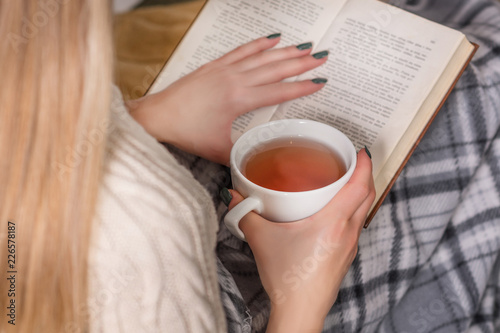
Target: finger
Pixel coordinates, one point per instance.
(263, 58)
(357, 190)
(279, 92)
(359, 217)
(236, 199)
(247, 50)
(250, 223)
(279, 70)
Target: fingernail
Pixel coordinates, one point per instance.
(319, 55)
(319, 80)
(368, 152)
(273, 36)
(304, 46)
(226, 196)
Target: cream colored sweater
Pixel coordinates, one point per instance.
(152, 256)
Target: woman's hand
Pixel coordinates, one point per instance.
(196, 112)
(301, 264)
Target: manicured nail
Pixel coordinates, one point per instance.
(273, 36)
(368, 152)
(320, 55)
(304, 46)
(226, 196)
(319, 80)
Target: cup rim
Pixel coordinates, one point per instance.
(236, 169)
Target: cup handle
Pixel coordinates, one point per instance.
(233, 217)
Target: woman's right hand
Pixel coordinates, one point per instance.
(302, 264)
(196, 112)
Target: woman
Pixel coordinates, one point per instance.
(111, 233)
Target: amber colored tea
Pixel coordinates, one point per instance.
(293, 165)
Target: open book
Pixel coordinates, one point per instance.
(389, 71)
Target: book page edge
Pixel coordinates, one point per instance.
(152, 86)
(380, 196)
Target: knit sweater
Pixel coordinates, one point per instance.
(152, 254)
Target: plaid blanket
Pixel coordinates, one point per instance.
(429, 262)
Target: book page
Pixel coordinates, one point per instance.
(225, 24)
(383, 63)
(422, 119)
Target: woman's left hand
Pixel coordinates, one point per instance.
(302, 264)
(196, 112)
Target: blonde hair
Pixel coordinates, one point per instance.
(56, 72)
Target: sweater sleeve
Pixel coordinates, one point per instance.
(152, 256)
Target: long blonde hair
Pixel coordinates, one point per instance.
(55, 67)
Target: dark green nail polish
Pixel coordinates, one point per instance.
(273, 36)
(319, 80)
(368, 152)
(320, 55)
(304, 46)
(226, 196)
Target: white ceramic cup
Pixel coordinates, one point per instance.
(281, 206)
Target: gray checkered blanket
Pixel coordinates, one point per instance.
(429, 262)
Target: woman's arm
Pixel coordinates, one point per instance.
(196, 112)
